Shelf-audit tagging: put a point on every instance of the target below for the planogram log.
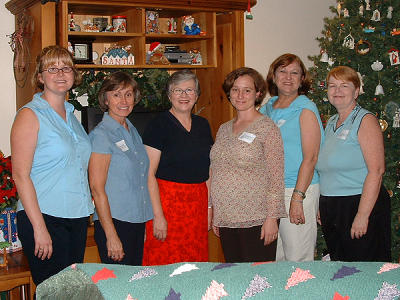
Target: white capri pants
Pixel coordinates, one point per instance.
(297, 242)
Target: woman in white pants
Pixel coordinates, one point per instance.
(299, 122)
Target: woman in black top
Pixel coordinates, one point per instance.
(178, 145)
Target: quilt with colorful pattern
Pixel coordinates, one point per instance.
(212, 281)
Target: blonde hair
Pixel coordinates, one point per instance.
(50, 56)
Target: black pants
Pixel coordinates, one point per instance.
(131, 236)
(244, 245)
(337, 215)
(68, 240)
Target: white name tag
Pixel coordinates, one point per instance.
(122, 145)
(280, 122)
(247, 137)
(343, 134)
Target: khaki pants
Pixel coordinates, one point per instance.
(297, 242)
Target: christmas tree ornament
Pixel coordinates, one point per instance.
(369, 29)
(363, 47)
(390, 192)
(389, 12)
(377, 66)
(394, 56)
(376, 16)
(361, 77)
(390, 109)
(348, 41)
(361, 10)
(379, 90)
(339, 8)
(325, 99)
(346, 13)
(367, 5)
(384, 124)
(395, 31)
(324, 56)
(396, 119)
(249, 16)
(330, 62)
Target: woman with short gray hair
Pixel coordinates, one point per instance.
(178, 144)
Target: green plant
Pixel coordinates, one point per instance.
(151, 83)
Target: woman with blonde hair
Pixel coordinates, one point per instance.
(50, 154)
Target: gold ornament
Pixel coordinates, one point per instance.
(390, 192)
(384, 125)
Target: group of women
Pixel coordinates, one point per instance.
(258, 185)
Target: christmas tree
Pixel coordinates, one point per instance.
(365, 35)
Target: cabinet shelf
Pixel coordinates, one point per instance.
(143, 66)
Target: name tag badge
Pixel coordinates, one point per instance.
(280, 122)
(247, 137)
(122, 145)
(343, 134)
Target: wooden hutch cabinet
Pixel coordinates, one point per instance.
(221, 45)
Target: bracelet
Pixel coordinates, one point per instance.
(295, 200)
(302, 194)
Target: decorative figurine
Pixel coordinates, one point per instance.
(156, 54)
(367, 5)
(196, 57)
(152, 22)
(361, 10)
(389, 12)
(394, 56)
(346, 13)
(171, 25)
(118, 55)
(190, 27)
(72, 25)
(396, 119)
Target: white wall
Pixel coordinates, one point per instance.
(284, 26)
(7, 83)
(279, 26)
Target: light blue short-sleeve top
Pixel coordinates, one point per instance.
(60, 162)
(126, 185)
(288, 121)
(341, 164)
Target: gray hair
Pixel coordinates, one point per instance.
(181, 76)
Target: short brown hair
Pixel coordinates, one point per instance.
(283, 61)
(49, 56)
(345, 73)
(258, 80)
(112, 83)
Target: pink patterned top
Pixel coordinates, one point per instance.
(247, 176)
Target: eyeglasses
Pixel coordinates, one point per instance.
(179, 92)
(54, 70)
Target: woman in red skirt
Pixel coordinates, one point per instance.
(178, 144)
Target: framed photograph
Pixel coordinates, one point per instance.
(82, 51)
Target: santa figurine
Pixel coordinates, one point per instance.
(190, 27)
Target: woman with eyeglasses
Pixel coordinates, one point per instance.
(178, 144)
(50, 154)
(247, 190)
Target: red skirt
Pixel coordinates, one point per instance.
(185, 209)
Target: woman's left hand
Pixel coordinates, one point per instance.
(296, 213)
(359, 227)
(269, 231)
